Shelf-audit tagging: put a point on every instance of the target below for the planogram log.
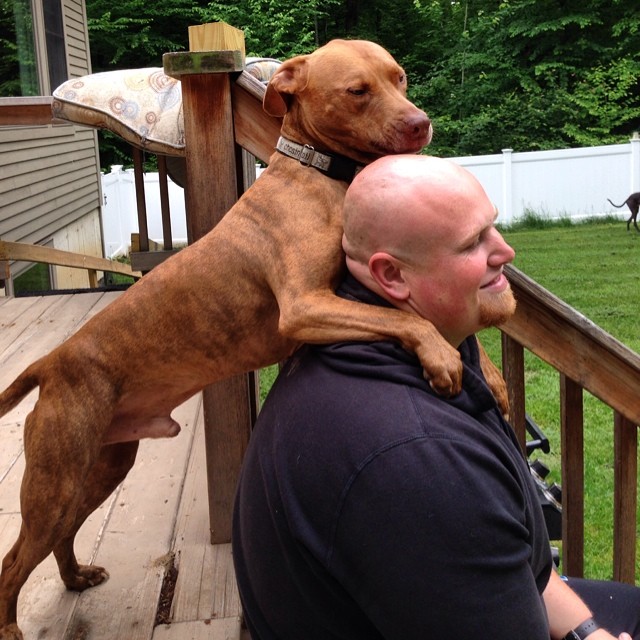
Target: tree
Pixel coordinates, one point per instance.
(135, 33)
(522, 74)
(274, 28)
(18, 68)
(537, 74)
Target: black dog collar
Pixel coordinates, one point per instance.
(334, 166)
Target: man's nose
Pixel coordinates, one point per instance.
(503, 252)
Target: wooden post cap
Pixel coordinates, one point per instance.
(216, 36)
(184, 63)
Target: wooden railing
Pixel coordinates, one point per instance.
(26, 112)
(586, 358)
(17, 251)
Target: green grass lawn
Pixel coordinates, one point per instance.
(594, 267)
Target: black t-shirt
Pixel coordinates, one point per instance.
(369, 507)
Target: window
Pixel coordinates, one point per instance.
(32, 48)
(18, 68)
(54, 34)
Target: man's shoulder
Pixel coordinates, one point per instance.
(325, 400)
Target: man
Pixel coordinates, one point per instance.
(369, 507)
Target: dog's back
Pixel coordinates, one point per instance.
(633, 202)
(244, 295)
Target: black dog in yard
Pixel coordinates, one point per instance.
(633, 202)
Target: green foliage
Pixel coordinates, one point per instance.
(528, 75)
(599, 96)
(135, 33)
(519, 74)
(273, 28)
(533, 220)
(18, 74)
(36, 279)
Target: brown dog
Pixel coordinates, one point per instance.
(633, 202)
(242, 297)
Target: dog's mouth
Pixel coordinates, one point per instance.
(405, 136)
(411, 136)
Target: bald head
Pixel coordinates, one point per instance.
(398, 203)
(420, 232)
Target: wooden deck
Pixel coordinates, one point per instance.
(158, 518)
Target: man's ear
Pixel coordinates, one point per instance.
(388, 274)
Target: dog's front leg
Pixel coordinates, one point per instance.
(496, 382)
(322, 317)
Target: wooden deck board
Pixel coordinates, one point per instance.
(224, 629)
(136, 540)
(206, 586)
(159, 510)
(32, 327)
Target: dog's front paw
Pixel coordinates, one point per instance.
(444, 373)
(85, 577)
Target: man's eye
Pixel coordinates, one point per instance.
(474, 244)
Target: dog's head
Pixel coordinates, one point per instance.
(348, 97)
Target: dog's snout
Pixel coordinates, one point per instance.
(417, 130)
(419, 124)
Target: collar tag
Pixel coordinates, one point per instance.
(337, 167)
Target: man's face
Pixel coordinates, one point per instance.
(458, 282)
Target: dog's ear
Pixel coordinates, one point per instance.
(291, 78)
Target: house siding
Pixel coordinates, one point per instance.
(50, 175)
(77, 38)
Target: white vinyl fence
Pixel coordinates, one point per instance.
(572, 183)
(120, 214)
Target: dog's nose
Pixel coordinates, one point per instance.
(418, 127)
(419, 124)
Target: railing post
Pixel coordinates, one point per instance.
(572, 447)
(141, 203)
(211, 190)
(5, 277)
(93, 278)
(167, 238)
(625, 498)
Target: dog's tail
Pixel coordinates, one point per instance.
(617, 205)
(17, 390)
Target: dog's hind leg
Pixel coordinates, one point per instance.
(109, 471)
(17, 565)
(48, 501)
(57, 492)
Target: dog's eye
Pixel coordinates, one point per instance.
(357, 91)
(402, 79)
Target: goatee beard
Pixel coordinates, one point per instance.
(498, 309)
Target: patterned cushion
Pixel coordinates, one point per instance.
(143, 106)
